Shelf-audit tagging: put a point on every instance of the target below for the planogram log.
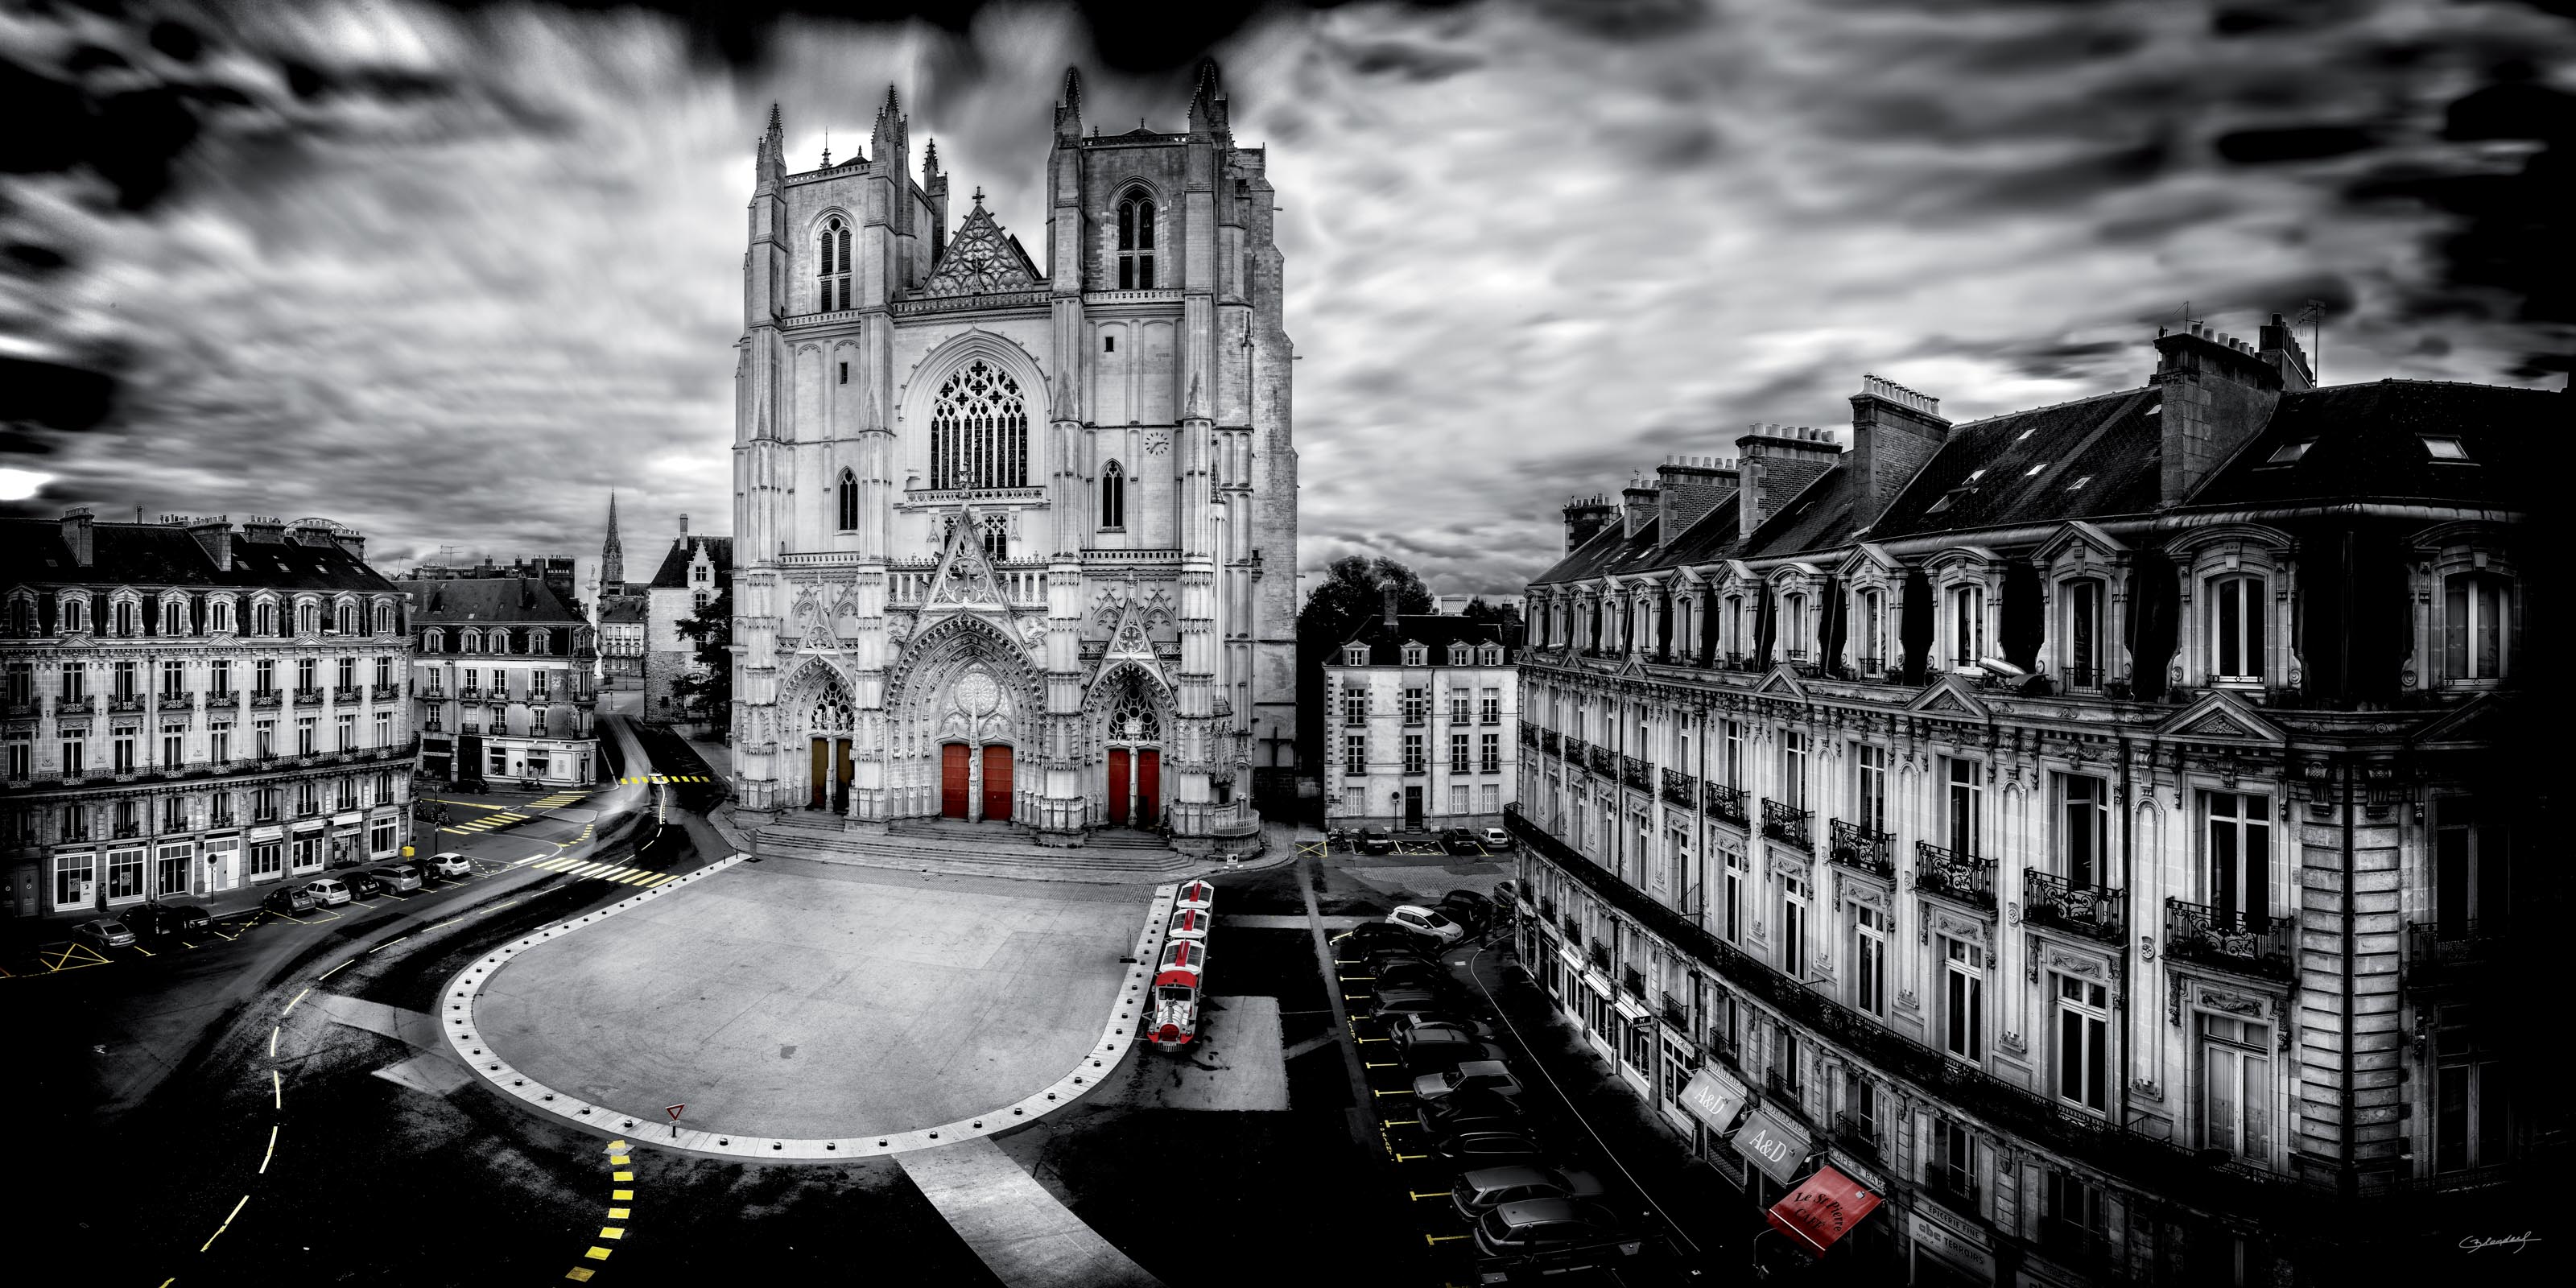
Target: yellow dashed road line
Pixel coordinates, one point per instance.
(620, 1198)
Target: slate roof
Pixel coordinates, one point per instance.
(32, 553)
(1437, 631)
(622, 610)
(487, 599)
(2367, 443)
(2025, 467)
(674, 573)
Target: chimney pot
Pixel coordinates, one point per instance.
(76, 535)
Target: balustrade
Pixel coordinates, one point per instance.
(2091, 911)
(1785, 823)
(1963, 877)
(1865, 849)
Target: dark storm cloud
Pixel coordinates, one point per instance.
(450, 273)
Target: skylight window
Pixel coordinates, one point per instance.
(1974, 475)
(2444, 447)
(2026, 433)
(2288, 452)
(2034, 469)
(2078, 485)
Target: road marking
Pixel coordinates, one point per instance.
(1419, 1195)
(612, 1232)
(277, 1089)
(334, 970)
(290, 1007)
(1436, 1240)
(617, 1214)
(621, 1194)
(597, 1254)
(1404, 1091)
(228, 1224)
(578, 1274)
(383, 946)
(272, 1040)
(272, 1150)
(621, 1176)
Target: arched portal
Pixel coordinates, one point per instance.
(818, 703)
(1127, 717)
(961, 704)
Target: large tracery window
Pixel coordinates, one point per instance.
(1136, 243)
(833, 285)
(979, 431)
(1113, 496)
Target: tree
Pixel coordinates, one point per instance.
(1352, 594)
(708, 691)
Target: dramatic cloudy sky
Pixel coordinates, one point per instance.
(452, 274)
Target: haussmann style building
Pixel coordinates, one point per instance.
(504, 679)
(195, 707)
(1016, 533)
(1423, 709)
(2103, 830)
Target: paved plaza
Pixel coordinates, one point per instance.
(796, 999)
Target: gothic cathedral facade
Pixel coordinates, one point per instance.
(1016, 537)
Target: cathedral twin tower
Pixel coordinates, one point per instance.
(1016, 538)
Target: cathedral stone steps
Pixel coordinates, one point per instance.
(983, 850)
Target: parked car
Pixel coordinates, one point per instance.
(1430, 977)
(396, 877)
(157, 918)
(329, 892)
(1530, 1227)
(1496, 839)
(1487, 1075)
(1401, 1001)
(1468, 909)
(450, 864)
(1398, 1024)
(362, 883)
(1461, 840)
(1377, 934)
(1413, 949)
(103, 932)
(1474, 1111)
(1487, 1188)
(1427, 923)
(1437, 1050)
(289, 899)
(1375, 840)
(1486, 1148)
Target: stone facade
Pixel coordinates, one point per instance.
(503, 676)
(194, 708)
(1420, 730)
(693, 574)
(2093, 838)
(1013, 527)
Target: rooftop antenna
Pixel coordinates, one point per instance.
(2315, 316)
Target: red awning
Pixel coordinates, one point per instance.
(1822, 1209)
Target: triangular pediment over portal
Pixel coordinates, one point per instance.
(1946, 695)
(2223, 716)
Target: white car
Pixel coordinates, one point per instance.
(327, 892)
(1497, 839)
(451, 864)
(1424, 921)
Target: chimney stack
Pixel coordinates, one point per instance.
(1895, 431)
(1386, 602)
(1687, 488)
(2280, 343)
(1637, 508)
(76, 535)
(215, 536)
(1585, 516)
(684, 526)
(2217, 393)
(262, 528)
(1777, 462)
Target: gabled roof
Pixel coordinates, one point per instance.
(674, 573)
(623, 610)
(485, 600)
(1435, 631)
(2367, 441)
(32, 553)
(981, 260)
(2025, 467)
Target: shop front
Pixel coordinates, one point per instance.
(1946, 1256)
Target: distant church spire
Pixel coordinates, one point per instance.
(612, 556)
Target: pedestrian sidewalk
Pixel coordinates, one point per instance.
(1708, 1209)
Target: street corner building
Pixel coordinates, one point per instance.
(1016, 536)
(194, 708)
(694, 573)
(2093, 828)
(502, 676)
(1423, 707)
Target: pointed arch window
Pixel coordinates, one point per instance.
(833, 284)
(849, 501)
(1113, 496)
(979, 430)
(1136, 243)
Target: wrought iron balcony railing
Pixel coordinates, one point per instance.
(1863, 849)
(1963, 877)
(125, 702)
(1600, 954)
(1603, 762)
(1680, 788)
(2447, 952)
(344, 694)
(1636, 773)
(1675, 1014)
(1633, 981)
(308, 697)
(382, 692)
(266, 697)
(1528, 735)
(1856, 1134)
(1725, 802)
(2231, 939)
(1786, 823)
(179, 701)
(1549, 740)
(2091, 911)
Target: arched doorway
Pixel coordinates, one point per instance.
(828, 725)
(1132, 731)
(956, 770)
(997, 781)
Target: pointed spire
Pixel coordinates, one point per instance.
(1068, 106)
(1208, 113)
(891, 108)
(827, 149)
(930, 157)
(891, 137)
(770, 159)
(774, 126)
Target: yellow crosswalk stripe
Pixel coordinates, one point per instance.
(667, 876)
(636, 878)
(556, 865)
(591, 869)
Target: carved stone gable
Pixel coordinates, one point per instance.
(965, 579)
(980, 260)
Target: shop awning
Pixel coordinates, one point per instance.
(1823, 1208)
(1630, 1010)
(1596, 983)
(1776, 1145)
(1714, 1099)
(1573, 960)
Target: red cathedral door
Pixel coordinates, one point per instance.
(1149, 787)
(1117, 784)
(997, 783)
(822, 768)
(953, 772)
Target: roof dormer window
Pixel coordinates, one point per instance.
(2444, 447)
(1416, 655)
(1355, 655)
(2287, 453)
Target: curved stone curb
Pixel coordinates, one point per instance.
(1117, 1033)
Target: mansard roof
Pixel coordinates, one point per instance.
(488, 600)
(981, 260)
(2026, 467)
(32, 553)
(2366, 442)
(1435, 631)
(674, 572)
